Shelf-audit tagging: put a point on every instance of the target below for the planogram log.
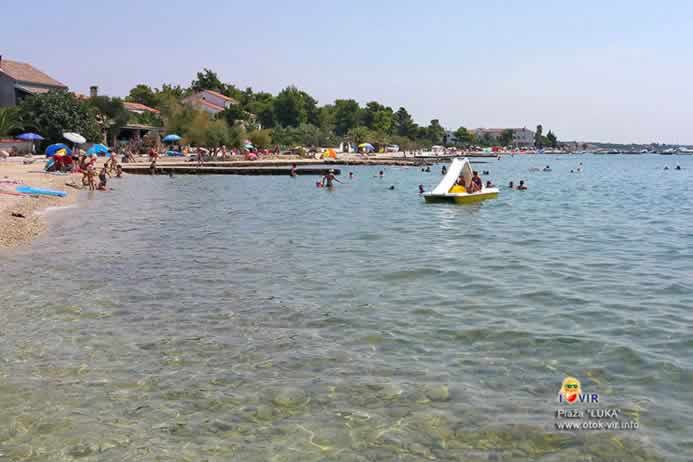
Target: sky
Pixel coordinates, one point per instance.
(617, 71)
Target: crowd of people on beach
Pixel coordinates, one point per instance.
(86, 165)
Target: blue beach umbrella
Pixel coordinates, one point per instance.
(172, 138)
(98, 149)
(30, 137)
(53, 148)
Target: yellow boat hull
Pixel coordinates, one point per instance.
(461, 198)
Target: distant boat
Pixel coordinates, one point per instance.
(668, 152)
(686, 150)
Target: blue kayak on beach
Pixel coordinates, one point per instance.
(40, 191)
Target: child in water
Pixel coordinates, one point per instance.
(102, 178)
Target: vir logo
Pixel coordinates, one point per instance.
(571, 393)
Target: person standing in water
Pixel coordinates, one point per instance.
(444, 170)
(292, 172)
(329, 178)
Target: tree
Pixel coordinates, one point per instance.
(404, 124)
(346, 115)
(260, 138)
(538, 141)
(217, 134)
(142, 94)
(463, 137)
(197, 131)
(291, 107)
(435, 132)
(506, 137)
(111, 115)
(9, 121)
(360, 135)
(55, 112)
(262, 106)
(405, 143)
(232, 114)
(207, 80)
(552, 139)
(170, 91)
(326, 118)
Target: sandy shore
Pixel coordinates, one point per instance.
(15, 231)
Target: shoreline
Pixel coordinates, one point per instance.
(20, 231)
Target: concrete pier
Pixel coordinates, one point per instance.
(182, 169)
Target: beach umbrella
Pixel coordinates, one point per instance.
(249, 146)
(367, 146)
(30, 137)
(330, 153)
(33, 137)
(172, 138)
(53, 148)
(74, 137)
(98, 149)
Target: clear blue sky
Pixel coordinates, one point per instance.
(590, 70)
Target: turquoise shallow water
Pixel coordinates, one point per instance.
(256, 318)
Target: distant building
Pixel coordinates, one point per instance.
(521, 136)
(19, 80)
(133, 130)
(210, 101)
(137, 108)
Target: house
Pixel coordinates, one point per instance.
(521, 136)
(136, 128)
(137, 108)
(210, 101)
(19, 80)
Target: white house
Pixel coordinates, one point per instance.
(210, 101)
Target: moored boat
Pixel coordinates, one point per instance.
(449, 191)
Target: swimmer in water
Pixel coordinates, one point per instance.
(511, 185)
(392, 187)
(521, 186)
(490, 185)
(443, 170)
(329, 178)
(678, 167)
(351, 175)
(292, 172)
(421, 189)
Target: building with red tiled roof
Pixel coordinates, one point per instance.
(138, 108)
(210, 101)
(18, 80)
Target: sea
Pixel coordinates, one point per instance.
(260, 318)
